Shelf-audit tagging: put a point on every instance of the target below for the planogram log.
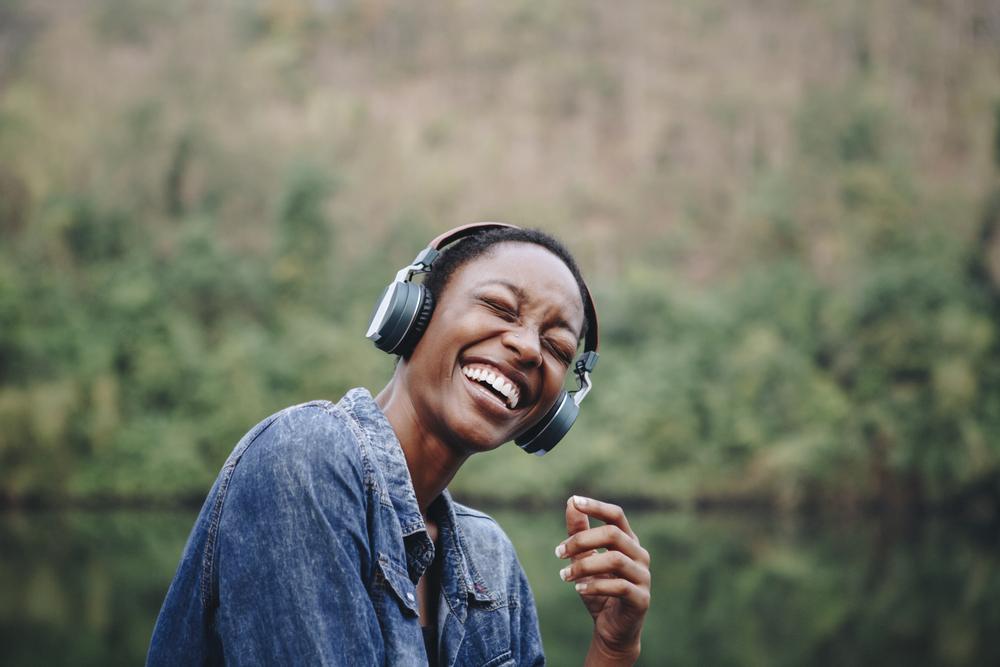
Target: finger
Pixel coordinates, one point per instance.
(606, 512)
(608, 537)
(609, 563)
(635, 596)
(576, 520)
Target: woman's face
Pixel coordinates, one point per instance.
(495, 354)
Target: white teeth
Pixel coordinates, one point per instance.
(501, 384)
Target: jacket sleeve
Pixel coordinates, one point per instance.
(292, 555)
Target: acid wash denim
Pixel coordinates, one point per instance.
(308, 547)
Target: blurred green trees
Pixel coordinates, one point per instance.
(796, 267)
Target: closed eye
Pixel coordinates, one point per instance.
(560, 352)
(504, 311)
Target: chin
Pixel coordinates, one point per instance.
(474, 442)
(476, 436)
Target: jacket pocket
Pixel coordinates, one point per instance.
(393, 581)
(502, 660)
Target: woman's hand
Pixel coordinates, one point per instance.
(614, 585)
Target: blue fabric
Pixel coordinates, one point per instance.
(308, 548)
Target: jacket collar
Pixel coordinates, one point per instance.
(387, 456)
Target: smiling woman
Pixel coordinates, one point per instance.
(330, 537)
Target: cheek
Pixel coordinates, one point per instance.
(441, 343)
(456, 328)
(442, 331)
(555, 378)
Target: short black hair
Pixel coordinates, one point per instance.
(471, 247)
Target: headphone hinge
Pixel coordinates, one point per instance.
(586, 362)
(585, 385)
(425, 258)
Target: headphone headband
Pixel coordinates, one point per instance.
(462, 231)
(590, 339)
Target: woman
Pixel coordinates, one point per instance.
(330, 537)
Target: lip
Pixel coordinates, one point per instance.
(526, 396)
(487, 401)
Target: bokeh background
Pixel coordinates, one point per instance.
(789, 213)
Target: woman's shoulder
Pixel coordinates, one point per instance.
(464, 511)
(301, 437)
(492, 558)
(482, 530)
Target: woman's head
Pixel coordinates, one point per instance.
(509, 314)
(477, 245)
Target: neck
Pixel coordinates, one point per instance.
(431, 461)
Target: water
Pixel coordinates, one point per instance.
(83, 588)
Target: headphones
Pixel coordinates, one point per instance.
(404, 309)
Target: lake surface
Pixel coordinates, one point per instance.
(84, 588)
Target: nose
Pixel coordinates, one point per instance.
(526, 343)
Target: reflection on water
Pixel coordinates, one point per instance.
(84, 588)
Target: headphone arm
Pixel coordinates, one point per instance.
(420, 264)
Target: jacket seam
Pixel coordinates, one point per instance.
(361, 439)
(208, 566)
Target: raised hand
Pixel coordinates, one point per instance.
(613, 584)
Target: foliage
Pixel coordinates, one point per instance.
(799, 295)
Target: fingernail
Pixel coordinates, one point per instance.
(560, 551)
(580, 588)
(564, 573)
(580, 501)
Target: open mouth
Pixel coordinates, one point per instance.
(495, 381)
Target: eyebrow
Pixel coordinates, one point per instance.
(523, 296)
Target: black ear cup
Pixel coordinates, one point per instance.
(550, 429)
(419, 325)
(394, 315)
(400, 317)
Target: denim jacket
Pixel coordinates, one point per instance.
(308, 548)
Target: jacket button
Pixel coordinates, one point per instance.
(409, 596)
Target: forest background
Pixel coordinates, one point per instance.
(788, 212)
